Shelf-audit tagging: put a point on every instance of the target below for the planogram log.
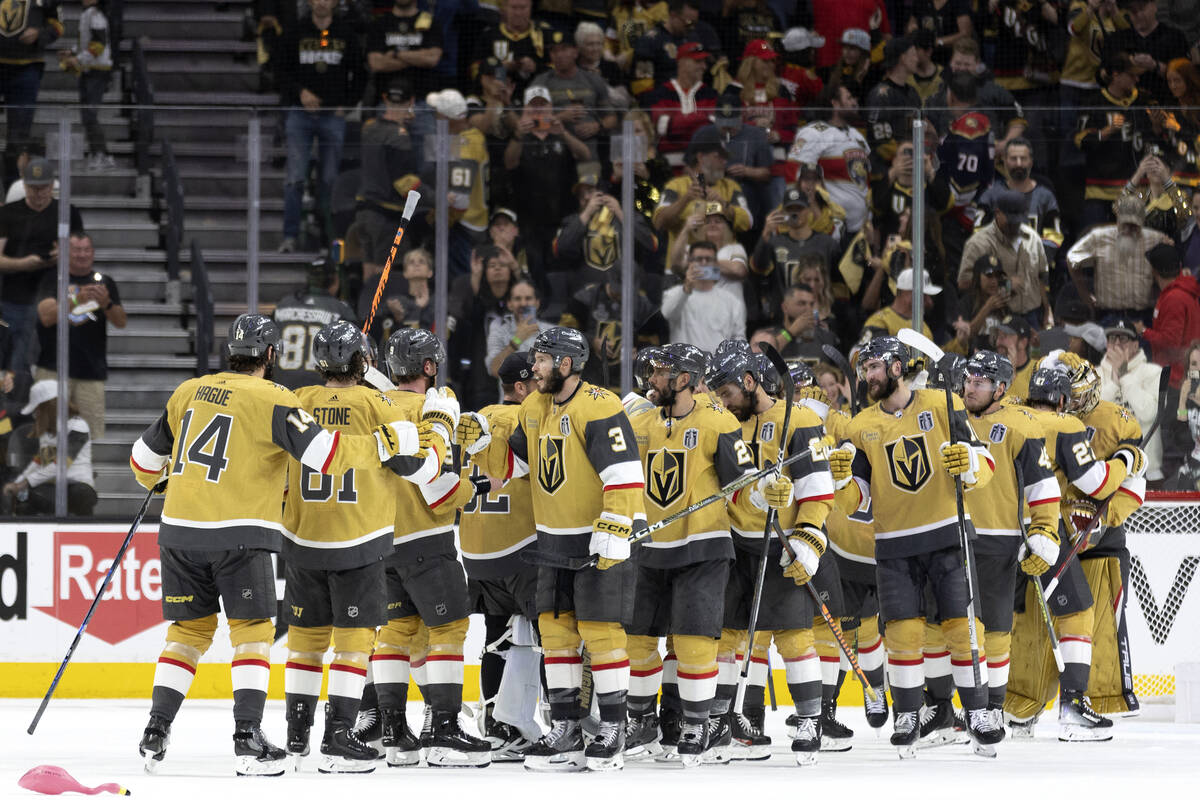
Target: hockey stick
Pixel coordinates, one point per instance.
(918, 341)
(839, 361)
(575, 563)
(1081, 542)
(789, 397)
(1037, 584)
(410, 205)
(116, 564)
(833, 624)
(1164, 384)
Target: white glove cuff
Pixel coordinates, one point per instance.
(606, 545)
(1044, 548)
(804, 553)
(408, 441)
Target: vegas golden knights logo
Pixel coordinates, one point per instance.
(908, 460)
(552, 471)
(13, 14)
(665, 470)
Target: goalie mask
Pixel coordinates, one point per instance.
(802, 374)
(1078, 514)
(1085, 381)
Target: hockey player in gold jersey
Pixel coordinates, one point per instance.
(786, 612)
(691, 447)
(337, 533)
(575, 442)
(892, 461)
(496, 527)
(1034, 677)
(426, 587)
(227, 440)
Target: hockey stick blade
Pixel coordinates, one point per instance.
(838, 360)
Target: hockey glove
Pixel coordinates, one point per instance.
(1041, 552)
(807, 543)
(840, 461)
(402, 439)
(1133, 458)
(961, 461)
(473, 433)
(771, 491)
(441, 408)
(610, 539)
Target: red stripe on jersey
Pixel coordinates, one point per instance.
(251, 662)
(943, 654)
(508, 472)
(642, 673)
(140, 468)
(389, 657)
(444, 657)
(177, 663)
(905, 662)
(337, 435)
(617, 486)
(304, 667)
(1103, 482)
(1083, 639)
(1043, 502)
(997, 664)
(807, 657)
(614, 665)
(697, 676)
(446, 496)
(353, 670)
(563, 660)
(815, 498)
(1134, 495)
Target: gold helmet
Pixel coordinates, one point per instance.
(1085, 381)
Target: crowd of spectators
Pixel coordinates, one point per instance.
(773, 175)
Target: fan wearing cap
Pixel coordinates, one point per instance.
(628, 22)
(891, 105)
(1007, 116)
(588, 243)
(854, 68)
(407, 44)
(656, 52)
(1176, 312)
(1016, 164)
(518, 40)
(468, 197)
(704, 181)
(1122, 279)
(580, 98)
(32, 491)
(928, 76)
(595, 309)
(1018, 248)
(683, 104)
(946, 24)
(838, 151)
(322, 73)
(749, 159)
(868, 17)
(713, 223)
(766, 101)
(1014, 340)
(1167, 207)
(797, 73)
(889, 320)
(1129, 379)
(391, 166)
(28, 30)
(788, 235)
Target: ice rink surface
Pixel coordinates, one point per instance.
(96, 741)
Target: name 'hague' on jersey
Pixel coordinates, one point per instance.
(898, 469)
(582, 459)
(229, 438)
(686, 459)
(343, 521)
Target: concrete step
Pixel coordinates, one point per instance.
(123, 505)
(202, 25)
(159, 365)
(157, 346)
(124, 233)
(223, 98)
(113, 450)
(116, 478)
(123, 392)
(233, 45)
(125, 424)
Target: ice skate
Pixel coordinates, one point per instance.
(720, 741)
(155, 739)
(299, 724)
(399, 744)
(367, 727)
(1021, 730)
(450, 746)
(606, 752)
(506, 742)
(906, 730)
(1079, 722)
(641, 737)
(670, 727)
(560, 750)
(343, 751)
(807, 741)
(253, 754)
(749, 742)
(985, 732)
(835, 737)
(876, 710)
(691, 744)
(937, 725)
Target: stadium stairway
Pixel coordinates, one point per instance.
(205, 79)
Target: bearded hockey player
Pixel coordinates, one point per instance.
(575, 442)
(786, 611)
(227, 439)
(889, 462)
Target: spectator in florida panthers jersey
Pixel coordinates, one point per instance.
(839, 150)
(967, 155)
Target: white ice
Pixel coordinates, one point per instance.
(96, 741)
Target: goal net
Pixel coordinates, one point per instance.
(1163, 606)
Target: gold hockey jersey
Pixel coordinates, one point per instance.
(1109, 426)
(229, 438)
(496, 526)
(582, 459)
(851, 537)
(686, 459)
(1015, 441)
(812, 484)
(898, 469)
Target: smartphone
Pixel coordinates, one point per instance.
(1007, 285)
(710, 272)
(703, 183)
(1193, 375)
(528, 313)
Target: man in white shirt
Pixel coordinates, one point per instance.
(700, 311)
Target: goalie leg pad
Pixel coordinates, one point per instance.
(1033, 676)
(1105, 687)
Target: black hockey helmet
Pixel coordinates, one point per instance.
(887, 349)
(335, 345)
(409, 348)
(995, 367)
(642, 368)
(731, 345)
(731, 367)
(1050, 386)
(251, 335)
(802, 374)
(560, 343)
(370, 350)
(680, 357)
(952, 374)
(769, 377)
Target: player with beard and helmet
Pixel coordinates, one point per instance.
(889, 462)
(786, 613)
(427, 606)
(690, 449)
(1034, 677)
(337, 535)
(1015, 440)
(226, 439)
(576, 444)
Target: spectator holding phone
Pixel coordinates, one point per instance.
(1187, 415)
(699, 311)
(514, 332)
